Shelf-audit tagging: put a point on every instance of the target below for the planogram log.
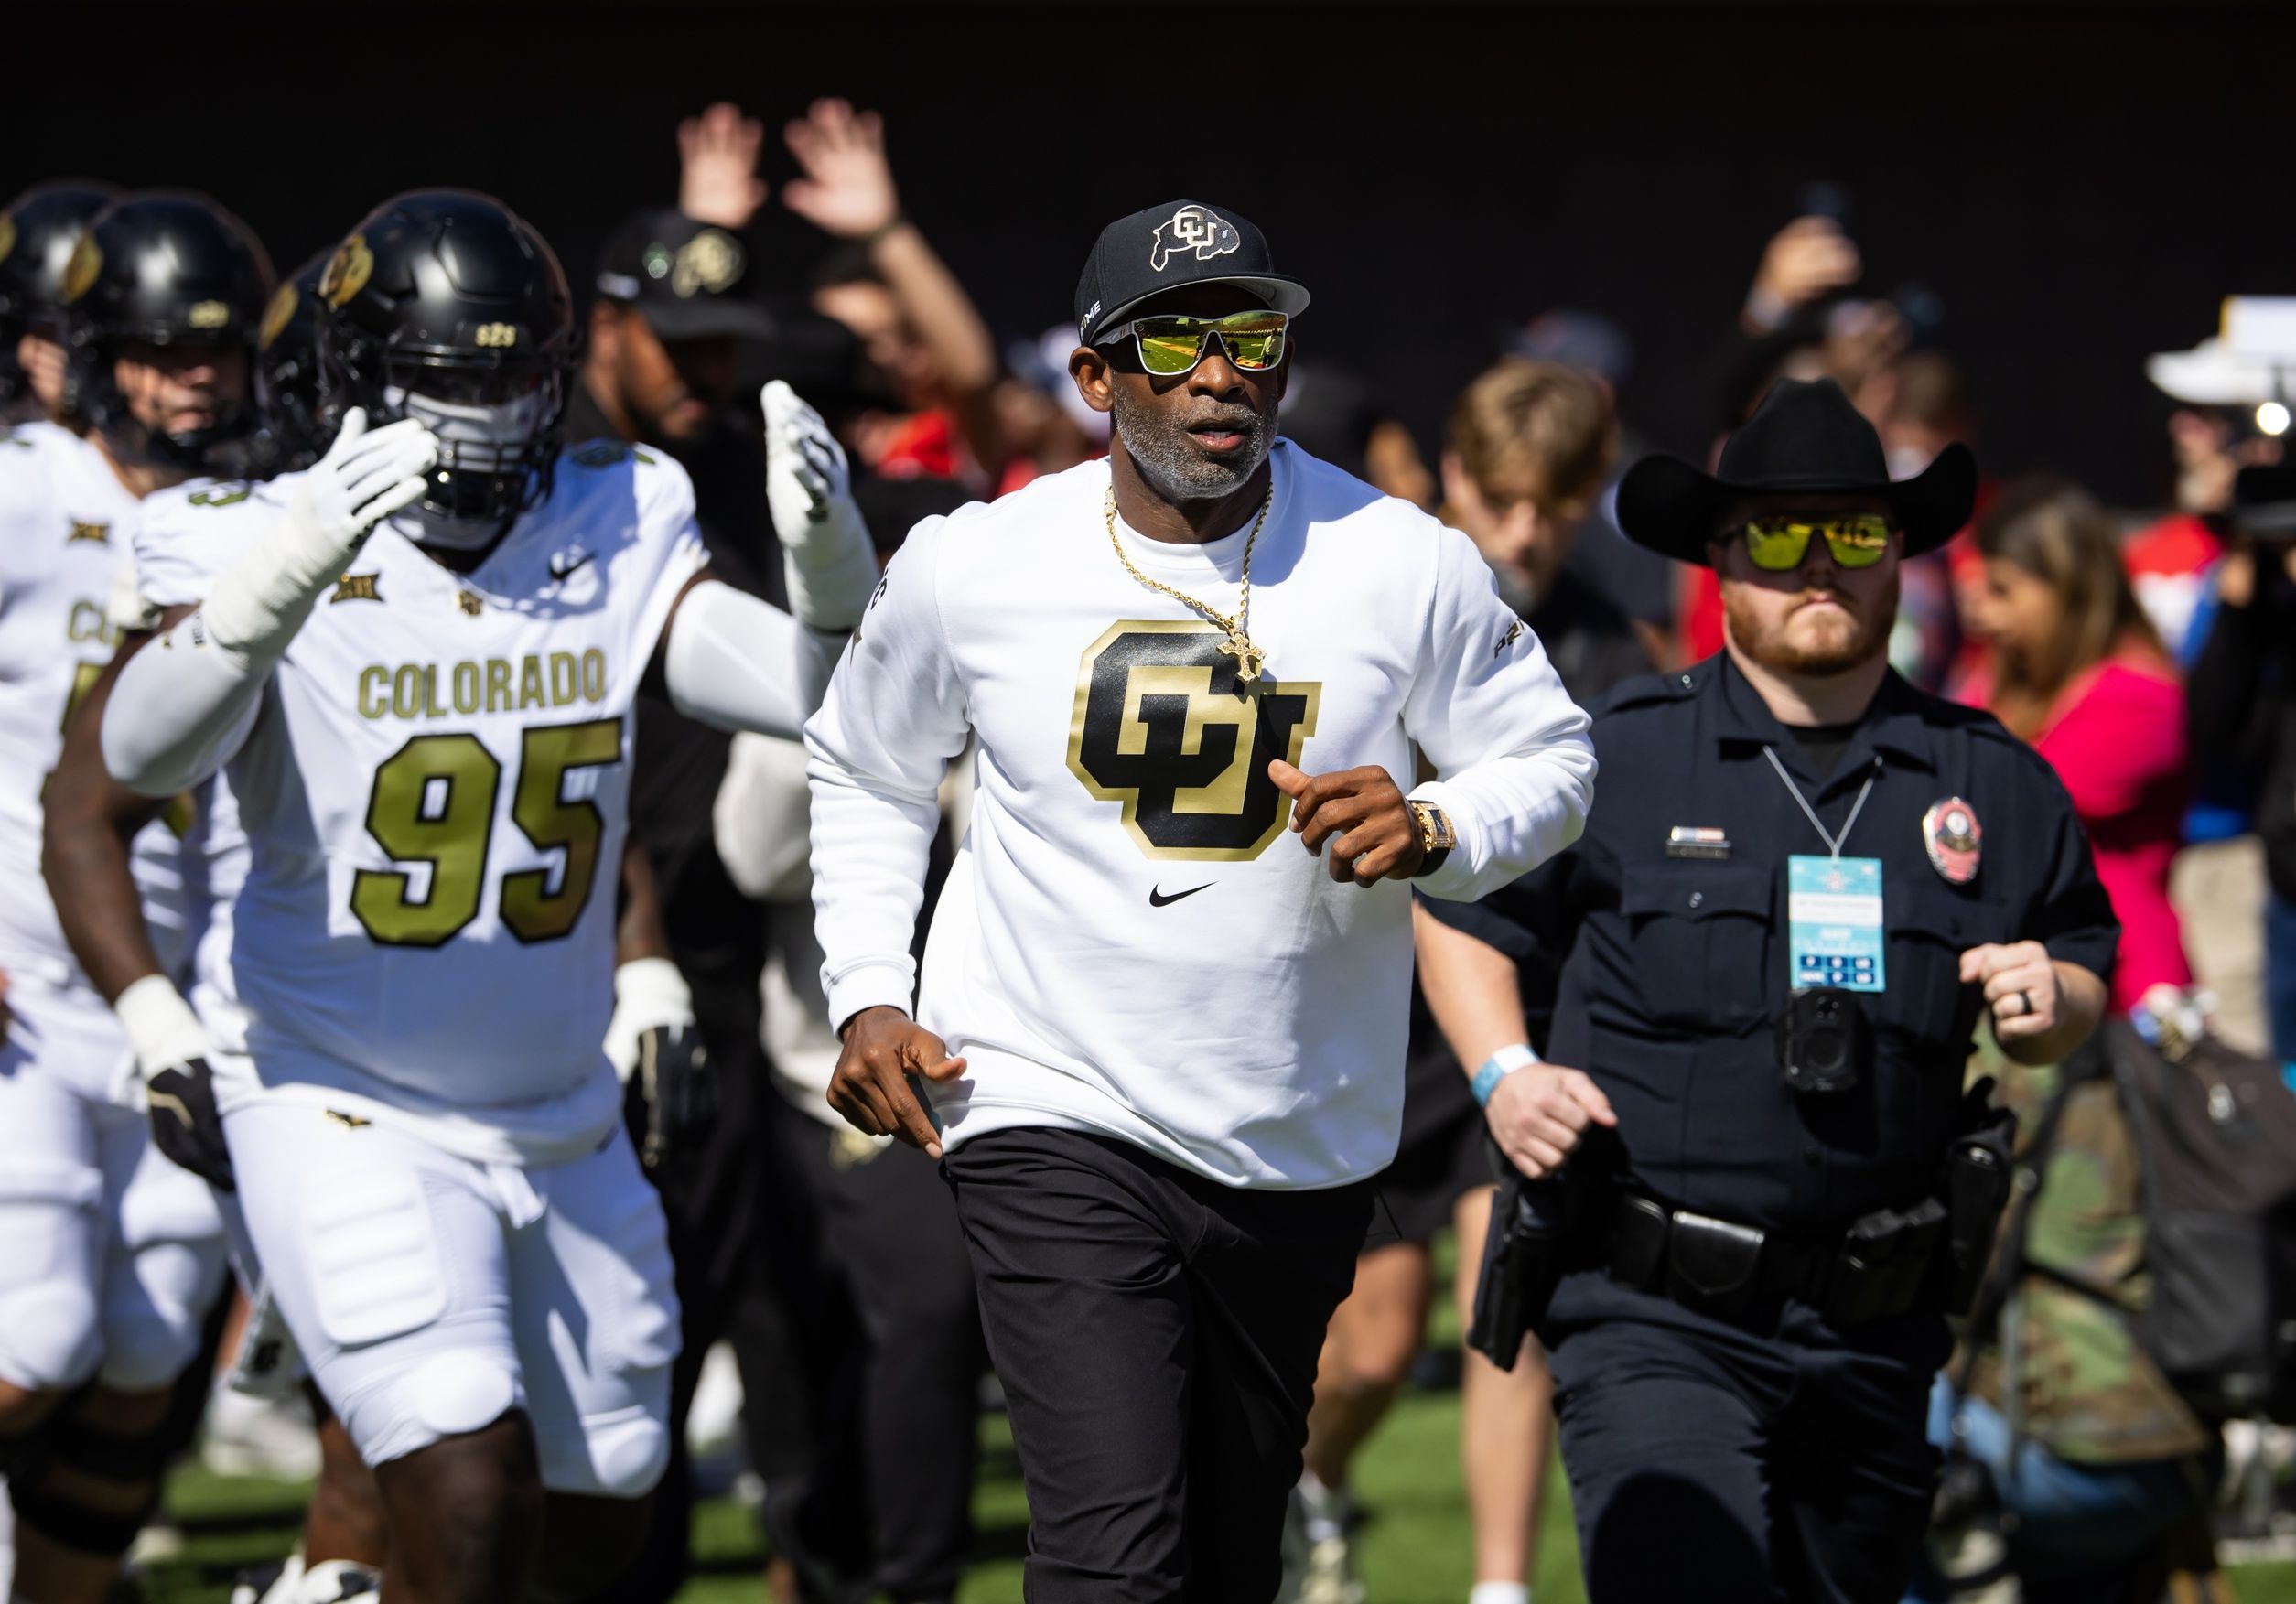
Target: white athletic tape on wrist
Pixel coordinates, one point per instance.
(162, 1030)
(652, 992)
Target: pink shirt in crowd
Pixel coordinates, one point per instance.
(2116, 738)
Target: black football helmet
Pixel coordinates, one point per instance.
(38, 232)
(296, 426)
(165, 268)
(445, 304)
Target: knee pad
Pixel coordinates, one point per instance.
(443, 1395)
(154, 1309)
(627, 1451)
(51, 1339)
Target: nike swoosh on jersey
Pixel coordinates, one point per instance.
(1158, 899)
(562, 569)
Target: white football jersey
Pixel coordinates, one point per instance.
(434, 796)
(213, 860)
(65, 528)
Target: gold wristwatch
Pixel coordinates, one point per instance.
(1436, 836)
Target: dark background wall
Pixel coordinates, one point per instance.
(2078, 185)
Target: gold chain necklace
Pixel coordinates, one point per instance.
(1238, 644)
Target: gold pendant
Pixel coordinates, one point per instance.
(1247, 656)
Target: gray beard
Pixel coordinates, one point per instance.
(1169, 460)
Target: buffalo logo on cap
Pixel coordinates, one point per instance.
(708, 261)
(1193, 228)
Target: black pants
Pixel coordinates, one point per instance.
(1156, 1335)
(884, 1506)
(1749, 1463)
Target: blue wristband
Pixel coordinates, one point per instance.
(1497, 1068)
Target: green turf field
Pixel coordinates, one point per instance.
(1414, 1548)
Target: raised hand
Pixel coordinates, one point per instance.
(718, 166)
(847, 189)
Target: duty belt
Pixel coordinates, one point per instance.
(1881, 1267)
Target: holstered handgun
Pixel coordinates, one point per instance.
(1977, 1184)
(1523, 1262)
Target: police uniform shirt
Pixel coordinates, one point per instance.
(1676, 968)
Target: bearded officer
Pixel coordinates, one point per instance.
(1164, 1044)
(1806, 882)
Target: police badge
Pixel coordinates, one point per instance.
(1951, 832)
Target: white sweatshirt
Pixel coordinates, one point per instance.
(1132, 941)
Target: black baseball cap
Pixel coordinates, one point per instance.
(686, 278)
(1182, 241)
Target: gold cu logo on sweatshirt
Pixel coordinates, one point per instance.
(1162, 727)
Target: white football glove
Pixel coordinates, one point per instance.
(362, 479)
(670, 1089)
(826, 552)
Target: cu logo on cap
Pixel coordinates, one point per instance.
(1193, 228)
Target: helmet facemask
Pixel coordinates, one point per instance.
(499, 426)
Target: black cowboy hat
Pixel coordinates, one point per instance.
(1805, 439)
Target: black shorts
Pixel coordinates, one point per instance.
(1441, 1157)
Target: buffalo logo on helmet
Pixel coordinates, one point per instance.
(709, 262)
(207, 315)
(1193, 228)
(276, 317)
(347, 272)
(80, 273)
(7, 236)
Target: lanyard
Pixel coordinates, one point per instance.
(1833, 842)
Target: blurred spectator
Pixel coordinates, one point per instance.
(2242, 700)
(1797, 322)
(1929, 408)
(1637, 581)
(1335, 414)
(1528, 447)
(2079, 670)
(1044, 422)
(2092, 1458)
(2221, 884)
(914, 321)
